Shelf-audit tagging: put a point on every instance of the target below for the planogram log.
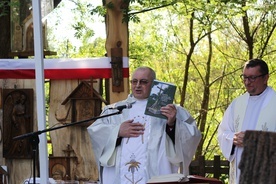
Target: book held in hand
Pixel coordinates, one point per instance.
(161, 94)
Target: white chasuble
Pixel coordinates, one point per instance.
(134, 150)
(138, 159)
(252, 113)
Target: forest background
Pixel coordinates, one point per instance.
(200, 46)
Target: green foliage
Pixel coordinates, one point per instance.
(3, 7)
(78, 35)
(95, 48)
(130, 8)
(7, 4)
(47, 102)
(98, 10)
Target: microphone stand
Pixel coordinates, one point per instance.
(35, 139)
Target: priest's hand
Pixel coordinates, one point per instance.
(238, 139)
(170, 112)
(130, 129)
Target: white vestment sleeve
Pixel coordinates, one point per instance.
(187, 138)
(103, 134)
(226, 133)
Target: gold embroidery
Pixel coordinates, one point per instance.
(264, 127)
(237, 122)
(133, 165)
(144, 125)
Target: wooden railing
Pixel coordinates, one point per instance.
(204, 167)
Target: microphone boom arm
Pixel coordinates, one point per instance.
(63, 126)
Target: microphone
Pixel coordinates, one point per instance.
(121, 107)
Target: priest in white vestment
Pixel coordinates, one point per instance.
(254, 110)
(131, 147)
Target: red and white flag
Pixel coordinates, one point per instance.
(83, 68)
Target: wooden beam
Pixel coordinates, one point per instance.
(116, 32)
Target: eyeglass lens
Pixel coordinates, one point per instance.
(141, 82)
(251, 78)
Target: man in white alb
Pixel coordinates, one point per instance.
(254, 110)
(132, 147)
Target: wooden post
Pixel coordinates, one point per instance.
(201, 165)
(117, 32)
(216, 166)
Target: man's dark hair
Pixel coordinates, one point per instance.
(257, 62)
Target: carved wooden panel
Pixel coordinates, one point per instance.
(17, 120)
(83, 110)
(86, 103)
(59, 168)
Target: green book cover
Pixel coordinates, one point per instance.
(161, 94)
